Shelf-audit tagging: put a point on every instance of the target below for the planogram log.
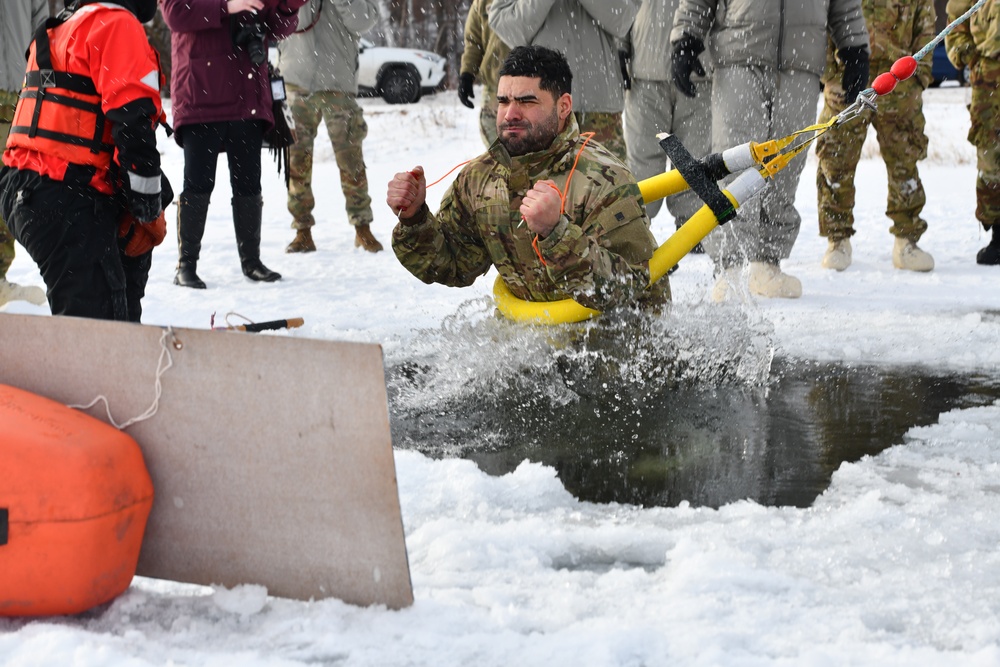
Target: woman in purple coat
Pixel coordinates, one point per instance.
(221, 102)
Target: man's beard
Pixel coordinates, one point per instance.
(533, 138)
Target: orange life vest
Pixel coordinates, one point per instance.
(59, 119)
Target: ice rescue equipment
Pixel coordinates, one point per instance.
(73, 507)
(698, 226)
(904, 67)
(59, 111)
(720, 207)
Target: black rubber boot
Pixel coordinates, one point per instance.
(990, 255)
(247, 219)
(192, 211)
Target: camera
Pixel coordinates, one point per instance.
(249, 34)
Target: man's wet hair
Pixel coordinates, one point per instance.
(539, 62)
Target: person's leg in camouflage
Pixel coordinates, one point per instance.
(838, 154)
(11, 291)
(899, 127)
(306, 112)
(985, 135)
(607, 129)
(345, 123)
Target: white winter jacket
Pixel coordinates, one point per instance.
(588, 32)
(325, 57)
(784, 34)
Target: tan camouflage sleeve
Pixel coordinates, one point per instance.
(961, 48)
(475, 40)
(444, 248)
(604, 261)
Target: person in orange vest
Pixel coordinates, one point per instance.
(81, 187)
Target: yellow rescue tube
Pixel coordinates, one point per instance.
(665, 257)
(662, 185)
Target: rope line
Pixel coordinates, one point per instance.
(772, 157)
(947, 30)
(161, 368)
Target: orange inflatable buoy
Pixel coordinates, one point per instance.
(74, 498)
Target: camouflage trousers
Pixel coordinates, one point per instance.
(488, 120)
(345, 124)
(899, 129)
(984, 77)
(607, 129)
(8, 101)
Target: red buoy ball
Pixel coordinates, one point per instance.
(884, 83)
(904, 68)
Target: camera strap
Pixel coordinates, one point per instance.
(315, 20)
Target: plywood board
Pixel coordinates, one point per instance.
(271, 457)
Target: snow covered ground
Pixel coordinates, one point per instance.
(897, 563)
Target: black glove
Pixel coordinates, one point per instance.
(855, 79)
(684, 61)
(144, 196)
(465, 89)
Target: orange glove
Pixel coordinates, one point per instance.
(140, 238)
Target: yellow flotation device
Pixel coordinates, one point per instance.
(698, 226)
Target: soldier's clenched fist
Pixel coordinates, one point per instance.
(406, 193)
(541, 207)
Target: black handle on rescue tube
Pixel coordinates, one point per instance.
(3, 526)
(254, 327)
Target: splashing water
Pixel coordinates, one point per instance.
(464, 386)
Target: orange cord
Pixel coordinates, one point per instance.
(562, 195)
(460, 164)
(588, 136)
(534, 244)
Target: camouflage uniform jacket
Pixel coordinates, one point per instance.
(484, 50)
(597, 254)
(896, 28)
(977, 38)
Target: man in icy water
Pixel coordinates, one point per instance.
(556, 213)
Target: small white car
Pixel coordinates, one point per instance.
(398, 76)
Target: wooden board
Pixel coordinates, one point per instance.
(271, 457)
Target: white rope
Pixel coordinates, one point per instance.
(161, 368)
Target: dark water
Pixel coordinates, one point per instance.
(649, 410)
(777, 444)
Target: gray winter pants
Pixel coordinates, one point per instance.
(652, 107)
(757, 104)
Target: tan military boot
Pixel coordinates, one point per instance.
(838, 255)
(907, 256)
(14, 292)
(769, 281)
(303, 241)
(363, 238)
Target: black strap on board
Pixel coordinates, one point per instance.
(698, 178)
(3, 526)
